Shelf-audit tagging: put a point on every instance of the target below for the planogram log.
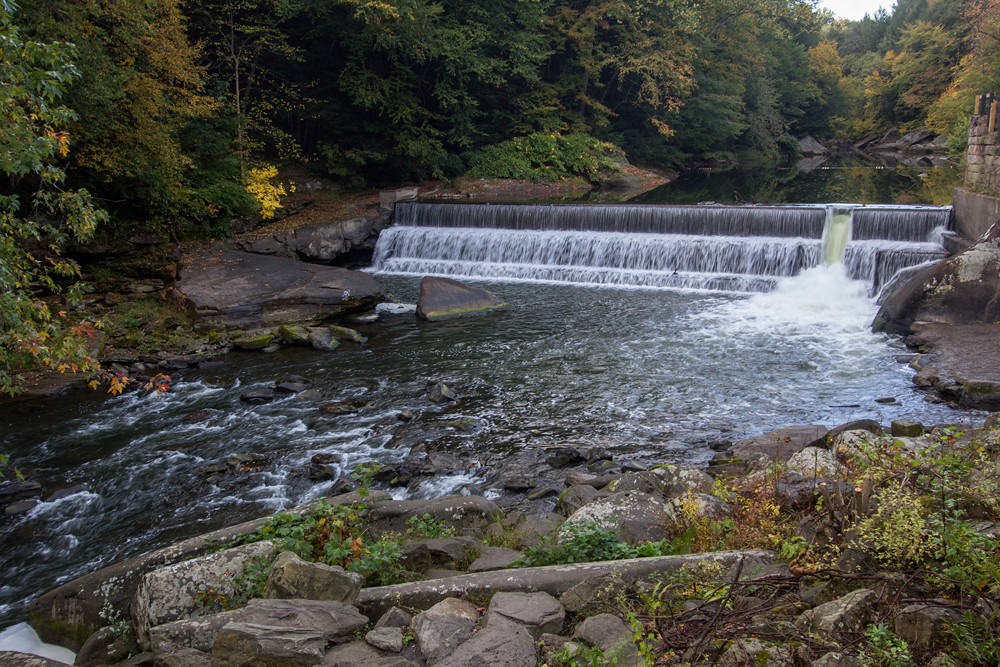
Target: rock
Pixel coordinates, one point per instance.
(322, 339)
(444, 298)
(395, 308)
(447, 551)
(578, 496)
(554, 580)
(231, 290)
(777, 446)
(293, 335)
(343, 333)
(462, 513)
(20, 507)
(494, 558)
(890, 137)
(907, 428)
(182, 657)
(169, 593)
(387, 639)
(15, 490)
(18, 659)
(961, 289)
(258, 342)
(441, 393)
(537, 612)
(292, 578)
(755, 652)
(598, 454)
(501, 643)
(360, 654)
(596, 589)
(394, 618)
(441, 573)
(282, 633)
(858, 425)
(695, 506)
(562, 457)
(258, 396)
(292, 387)
(679, 480)
(915, 137)
(643, 482)
(104, 647)
(851, 613)
(195, 633)
(637, 517)
(809, 146)
(923, 626)
(610, 634)
(443, 627)
(837, 659)
(244, 645)
(543, 492)
(813, 462)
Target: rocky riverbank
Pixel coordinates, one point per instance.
(804, 546)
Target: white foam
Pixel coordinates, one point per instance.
(22, 639)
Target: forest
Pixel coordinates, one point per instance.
(169, 112)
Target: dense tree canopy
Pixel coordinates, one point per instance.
(178, 102)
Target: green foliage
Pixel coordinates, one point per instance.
(246, 585)
(885, 649)
(35, 77)
(975, 641)
(541, 156)
(583, 543)
(333, 534)
(427, 527)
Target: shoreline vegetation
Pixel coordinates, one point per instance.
(803, 546)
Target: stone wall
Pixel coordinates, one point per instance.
(982, 158)
(976, 205)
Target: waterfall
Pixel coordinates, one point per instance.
(715, 247)
(837, 232)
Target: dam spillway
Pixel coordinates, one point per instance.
(728, 248)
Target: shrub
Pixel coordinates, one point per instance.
(543, 156)
(584, 543)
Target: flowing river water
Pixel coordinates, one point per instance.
(652, 362)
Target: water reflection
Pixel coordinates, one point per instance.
(891, 179)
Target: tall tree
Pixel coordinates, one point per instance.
(34, 207)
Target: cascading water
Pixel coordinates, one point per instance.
(719, 248)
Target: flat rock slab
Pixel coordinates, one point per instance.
(539, 613)
(961, 350)
(235, 290)
(444, 298)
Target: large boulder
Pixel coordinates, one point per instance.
(637, 517)
(291, 578)
(850, 614)
(235, 290)
(171, 593)
(963, 289)
(444, 298)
